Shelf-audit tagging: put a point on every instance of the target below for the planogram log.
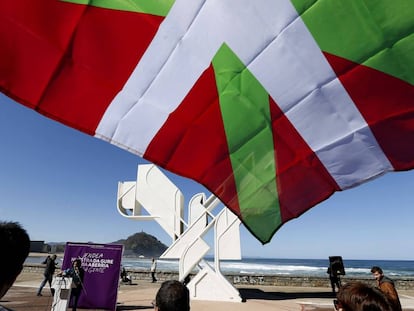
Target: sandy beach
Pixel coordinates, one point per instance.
(138, 296)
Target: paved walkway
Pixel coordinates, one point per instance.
(22, 296)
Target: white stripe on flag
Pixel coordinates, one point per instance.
(298, 77)
(182, 49)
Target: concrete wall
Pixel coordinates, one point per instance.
(240, 280)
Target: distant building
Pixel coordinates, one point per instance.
(53, 248)
(129, 253)
(39, 247)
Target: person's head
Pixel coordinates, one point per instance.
(77, 263)
(54, 257)
(358, 296)
(15, 242)
(377, 272)
(172, 296)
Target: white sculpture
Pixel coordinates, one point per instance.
(164, 202)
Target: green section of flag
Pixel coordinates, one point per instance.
(245, 110)
(376, 33)
(153, 7)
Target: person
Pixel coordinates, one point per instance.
(386, 285)
(15, 245)
(77, 274)
(48, 274)
(358, 296)
(334, 278)
(125, 277)
(172, 296)
(153, 270)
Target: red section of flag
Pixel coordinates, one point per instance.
(387, 105)
(192, 142)
(68, 61)
(302, 180)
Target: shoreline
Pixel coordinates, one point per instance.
(266, 266)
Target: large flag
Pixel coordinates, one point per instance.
(273, 105)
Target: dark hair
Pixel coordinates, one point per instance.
(16, 242)
(376, 269)
(173, 296)
(358, 296)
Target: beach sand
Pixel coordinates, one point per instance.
(138, 296)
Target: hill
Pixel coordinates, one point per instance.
(138, 244)
(142, 243)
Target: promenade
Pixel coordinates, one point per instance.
(138, 296)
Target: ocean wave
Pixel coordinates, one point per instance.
(293, 267)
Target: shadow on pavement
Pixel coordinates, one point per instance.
(125, 308)
(252, 293)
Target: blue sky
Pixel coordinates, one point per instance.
(61, 185)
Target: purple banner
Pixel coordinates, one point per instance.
(102, 264)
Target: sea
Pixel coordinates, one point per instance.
(274, 266)
(289, 267)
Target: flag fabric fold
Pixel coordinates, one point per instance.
(271, 105)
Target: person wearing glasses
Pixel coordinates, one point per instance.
(358, 296)
(172, 296)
